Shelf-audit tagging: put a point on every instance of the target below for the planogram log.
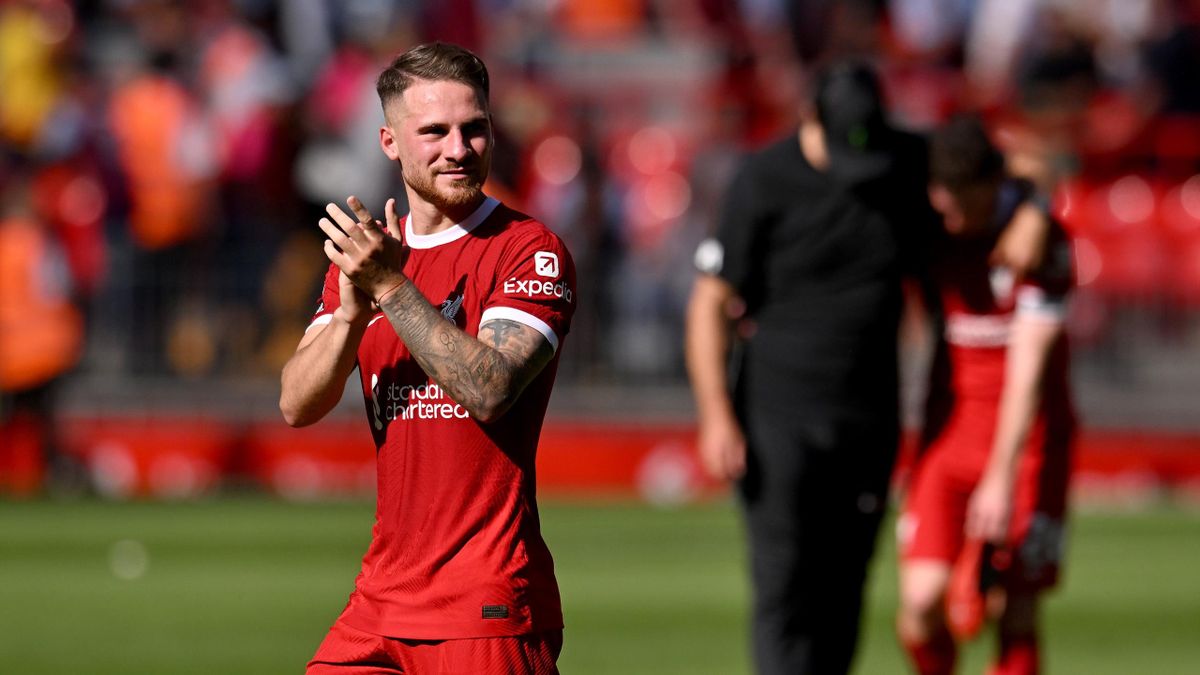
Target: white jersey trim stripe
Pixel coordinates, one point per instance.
(319, 321)
(521, 317)
(452, 233)
(1036, 302)
(326, 318)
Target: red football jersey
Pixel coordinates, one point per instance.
(979, 303)
(457, 550)
(964, 398)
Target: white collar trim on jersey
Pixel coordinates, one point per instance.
(451, 233)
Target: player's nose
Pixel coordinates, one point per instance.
(456, 147)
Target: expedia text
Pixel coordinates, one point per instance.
(534, 287)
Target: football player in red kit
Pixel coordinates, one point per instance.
(454, 316)
(989, 486)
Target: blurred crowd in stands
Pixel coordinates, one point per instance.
(164, 163)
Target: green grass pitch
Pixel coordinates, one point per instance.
(249, 585)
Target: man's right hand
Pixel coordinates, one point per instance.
(314, 378)
(722, 448)
(356, 306)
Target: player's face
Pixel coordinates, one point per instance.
(964, 210)
(441, 134)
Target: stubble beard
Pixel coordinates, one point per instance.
(461, 193)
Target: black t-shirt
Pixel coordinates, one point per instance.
(818, 265)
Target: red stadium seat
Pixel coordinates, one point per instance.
(1176, 140)
(1179, 223)
(1120, 250)
(1113, 134)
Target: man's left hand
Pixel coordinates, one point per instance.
(990, 509)
(372, 257)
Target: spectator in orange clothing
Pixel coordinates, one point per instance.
(167, 157)
(162, 150)
(602, 19)
(41, 334)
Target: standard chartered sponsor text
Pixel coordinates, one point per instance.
(989, 330)
(412, 402)
(420, 410)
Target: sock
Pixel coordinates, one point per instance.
(1018, 656)
(935, 656)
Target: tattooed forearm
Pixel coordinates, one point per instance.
(484, 375)
(502, 330)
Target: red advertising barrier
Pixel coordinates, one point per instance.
(333, 458)
(168, 457)
(657, 461)
(181, 457)
(21, 466)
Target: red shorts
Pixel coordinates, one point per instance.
(931, 524)
(349, 651)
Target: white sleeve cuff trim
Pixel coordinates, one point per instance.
(1055, 312)
(319, 321)
(1035, 302)
(1047, 314)
(521, 317)
(709, 257)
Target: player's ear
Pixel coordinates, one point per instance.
(387, 143)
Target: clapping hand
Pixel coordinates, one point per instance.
(369, 253)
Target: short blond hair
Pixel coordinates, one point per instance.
(435, 61)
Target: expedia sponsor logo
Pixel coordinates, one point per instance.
(966, 330)
(545, 263)
(535, 288)
(411, 402)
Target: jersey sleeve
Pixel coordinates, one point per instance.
(731, 251)
(1044, 293)
(329, 301)
(535, 286)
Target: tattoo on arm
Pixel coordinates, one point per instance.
(486, 374)
(502, 330)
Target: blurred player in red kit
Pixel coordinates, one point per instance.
(454, 316)
(989, 486)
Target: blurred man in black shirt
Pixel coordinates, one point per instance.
(817, 232)
(792, 354)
